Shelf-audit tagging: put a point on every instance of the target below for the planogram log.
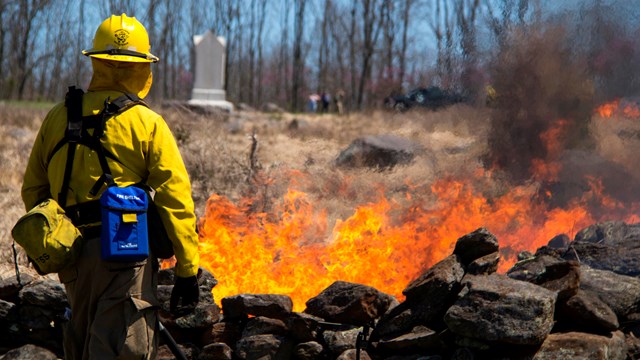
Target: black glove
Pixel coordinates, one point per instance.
(186, 289)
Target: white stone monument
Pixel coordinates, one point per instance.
(208, 87)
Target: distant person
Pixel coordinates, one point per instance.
(491, 98)
(326, 100)
(113, 304)
(312, 104)
(339, 101)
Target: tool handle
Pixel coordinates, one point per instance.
(171, 343)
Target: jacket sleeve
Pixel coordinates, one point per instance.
(35, 184)
(169, 178)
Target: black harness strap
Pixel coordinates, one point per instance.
(122, 103)
(77, 132)
(73, 134)
(106, 177)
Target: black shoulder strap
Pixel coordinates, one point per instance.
(122, 103)
(73, 133)
(111, 108)
(76, 133)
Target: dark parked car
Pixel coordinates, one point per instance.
(431, 98)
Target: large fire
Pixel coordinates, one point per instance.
(294, 248)
(384, 244)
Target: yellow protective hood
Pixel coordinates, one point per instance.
(127, 77)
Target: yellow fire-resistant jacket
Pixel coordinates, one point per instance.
(140, 140)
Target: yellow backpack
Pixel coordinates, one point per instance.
(48, 236)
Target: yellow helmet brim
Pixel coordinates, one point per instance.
(121, 55)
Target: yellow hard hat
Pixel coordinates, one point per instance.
(121, 38)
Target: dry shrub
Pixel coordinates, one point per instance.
(213, 166)
(304, 161)
(539, 81)
(18, 129)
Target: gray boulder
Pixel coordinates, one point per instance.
(268, 305)
(381, 151)
(587, 311)
(495, 308)
(266, 346)
(349, 303)
(475, 245)
(29, 352)
(620, 292)
(578, 345)
(613, 246)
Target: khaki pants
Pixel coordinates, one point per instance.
(113, 307)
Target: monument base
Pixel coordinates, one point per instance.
(210, 97)
(221, 104)
(208, 94)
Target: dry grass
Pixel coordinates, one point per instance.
(217, 152)
(298, 150)
(18, 128)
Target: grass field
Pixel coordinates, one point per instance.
(284, 210)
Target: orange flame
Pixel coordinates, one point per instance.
(549, 168)
(385, 244)
(619, 108)
(607, 110)
(631, 111)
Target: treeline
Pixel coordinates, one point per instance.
(280, 51)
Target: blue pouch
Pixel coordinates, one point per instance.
(124, 224)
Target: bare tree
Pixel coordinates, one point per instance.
(323, 50)
(24, 41)
(4, 16)
(283, 64)
(260, 61)
(503, 15)
(200, 21)
(436, 26)
(240, 65)
(255, 28)
(395, 24)
(389, 30)
(226, 20)
(81, 42)
(349, 43)
(340, 40)
(279, 62)
(352, 35)
(370, 30)
(55, 74)
(298, 63)
(251, 62)
(238, 48)
(442, 24)
(166, 48)
(404, 42)
(467, 11)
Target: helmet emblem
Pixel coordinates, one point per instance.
(122, 37)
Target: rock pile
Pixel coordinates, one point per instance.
(575, 299)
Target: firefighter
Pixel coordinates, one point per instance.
(491, 98)
(113, 304)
